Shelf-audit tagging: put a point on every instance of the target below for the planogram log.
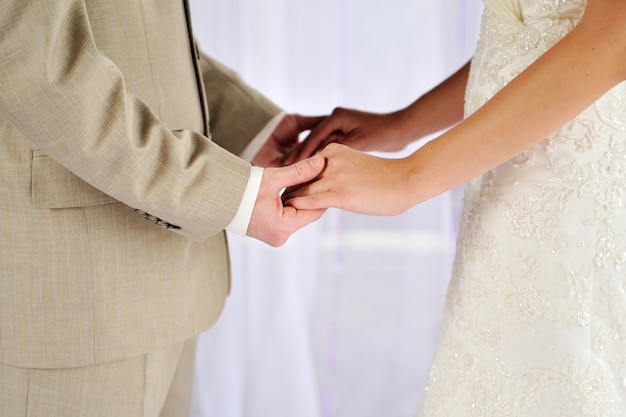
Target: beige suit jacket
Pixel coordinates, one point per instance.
(104, 110)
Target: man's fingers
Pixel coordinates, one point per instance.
(308, 202)
(294, 191)
(310, 146)
(301, 218)
(312, 142)
(303, 171)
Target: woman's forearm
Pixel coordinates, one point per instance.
(438, 109)
(559, 85)
(562, 83)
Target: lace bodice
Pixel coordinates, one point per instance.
(535, 318)
(514, 34)
(527, 10)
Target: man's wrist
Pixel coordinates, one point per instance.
(239, 223)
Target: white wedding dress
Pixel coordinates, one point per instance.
(535, 318)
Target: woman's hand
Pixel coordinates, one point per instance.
(359, 130)
(284, 139)
(356, 182)
(439, 109)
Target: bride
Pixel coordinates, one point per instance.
(535, 319)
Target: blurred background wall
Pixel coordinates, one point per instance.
(342, 320)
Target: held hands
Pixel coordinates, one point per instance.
(356, 182)
(360, 130)
(284, 139)
(271, 221)
(338, 177)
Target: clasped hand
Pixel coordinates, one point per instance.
(335, 176)
(356, 182)
(352, 180)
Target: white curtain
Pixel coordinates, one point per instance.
(342, 320)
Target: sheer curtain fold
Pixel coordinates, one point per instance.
(343, 319)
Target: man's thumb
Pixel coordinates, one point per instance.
(305, 170)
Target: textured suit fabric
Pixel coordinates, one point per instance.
(104, 109)
(150, 385)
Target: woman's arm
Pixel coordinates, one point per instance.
(568, 78)
(436, 110)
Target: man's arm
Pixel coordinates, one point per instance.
(71, 101)
(237, 111)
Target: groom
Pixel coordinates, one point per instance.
(115, 193)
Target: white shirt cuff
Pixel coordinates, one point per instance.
(239, 223)
(259, 140)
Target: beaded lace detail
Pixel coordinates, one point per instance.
(535, 318)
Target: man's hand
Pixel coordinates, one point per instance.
(273, 223)
(284, 138)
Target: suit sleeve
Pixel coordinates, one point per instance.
(238, 112)
(70, 100)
